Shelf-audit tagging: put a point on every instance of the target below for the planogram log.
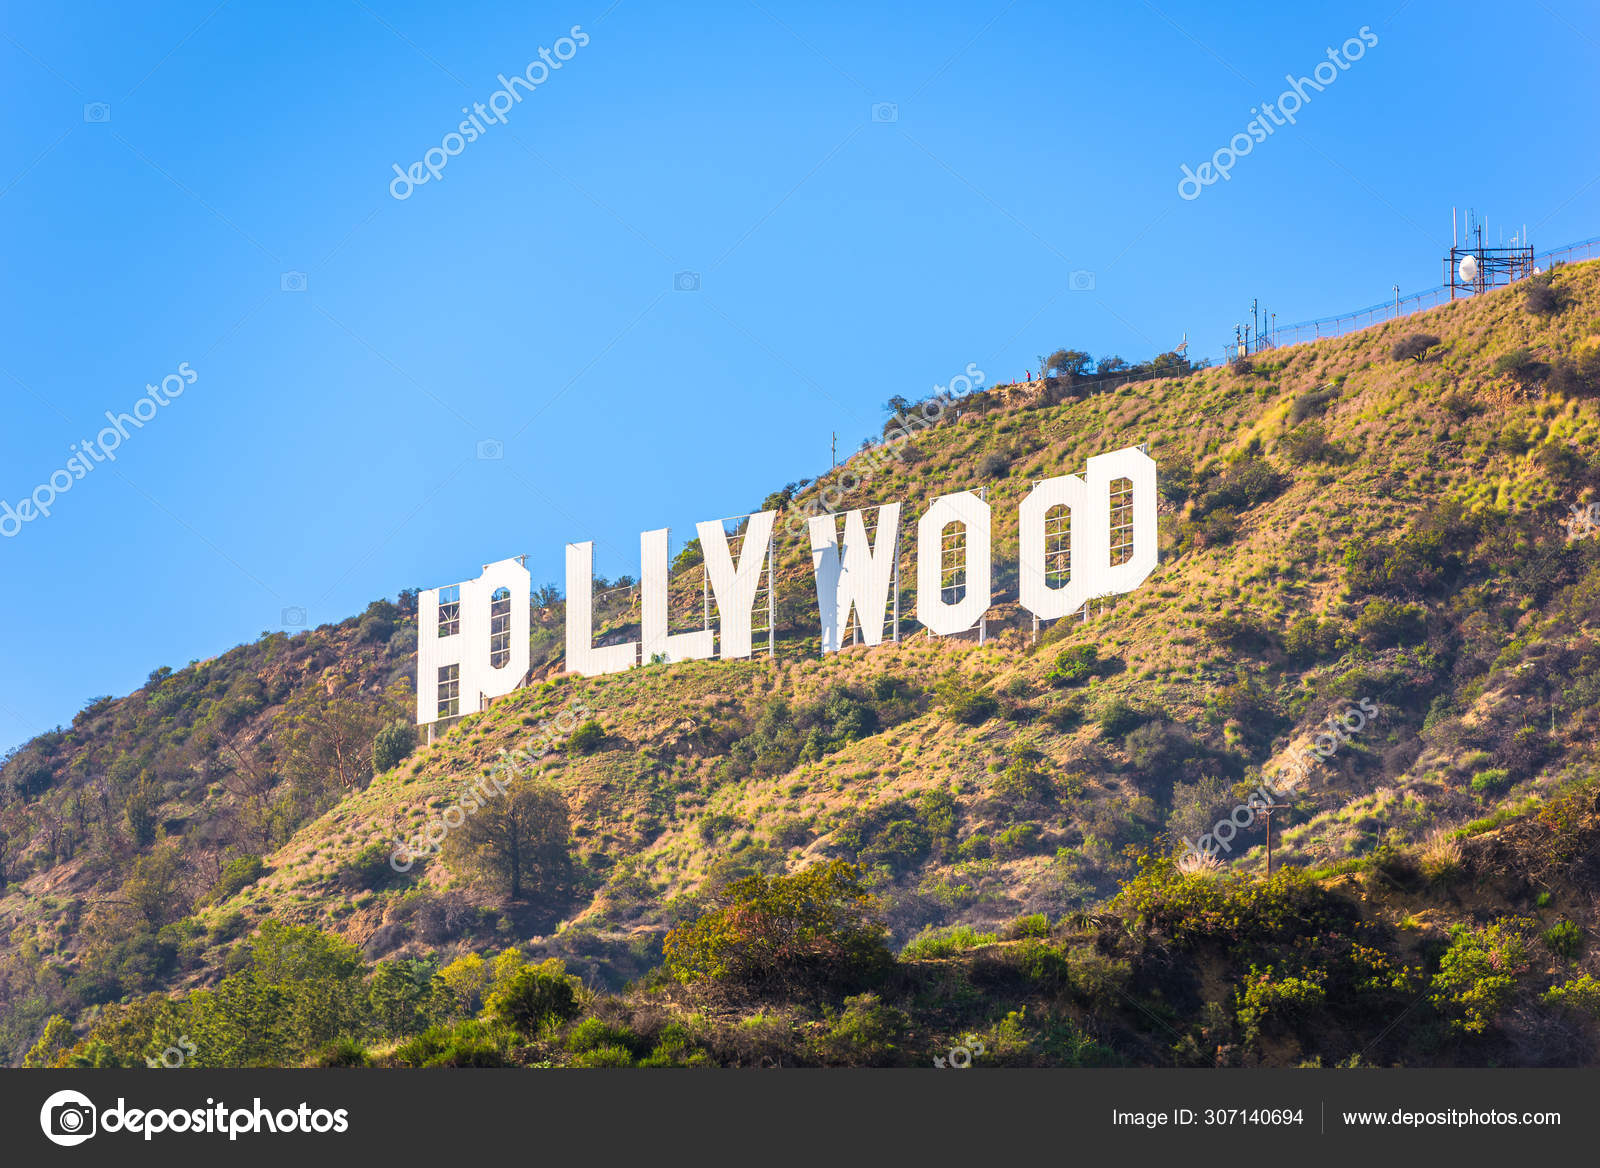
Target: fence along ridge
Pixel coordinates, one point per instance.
(1349, 322)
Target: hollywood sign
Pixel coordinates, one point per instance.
(474, 647)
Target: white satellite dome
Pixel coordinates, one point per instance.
(1468, 269)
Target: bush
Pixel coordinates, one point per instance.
(465, 1044)
(816, 930)
(1077, 664)
(1249, 482)
(995, 465)
(966, 704)
(393, 744)
(1491, 782)
(1308, 640)
(1478, 973)
(1117, 718)
(368, 868)
(1384, 623)
(899, 844)
(1581, 996)
(595, 1034)
(533, 996)
(1309, 443)
(343, 1052)
(1541, 297)
(1461, 406)
(1017, 840)
(238, 874)
(1414, 347)
(1521, 366)
(1266, 997)
(1564, 939)
(1312, 403)
(1576, 377)
(1228, 910)
(934, 942)
(603, 1056)
(866, 1034)
(587, 739)
(1031, 925)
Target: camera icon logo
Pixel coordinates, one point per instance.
(885, 111)
(686, 282)
(97, 111)
(1081, 281)
(68, 1118)
(292, 282)
(294, 617)
(491, 449)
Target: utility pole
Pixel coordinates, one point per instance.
(1397, 300)
(833, 449)
(1267, 811)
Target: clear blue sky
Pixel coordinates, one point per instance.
(326, 455)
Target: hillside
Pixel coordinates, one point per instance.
(1342, 529)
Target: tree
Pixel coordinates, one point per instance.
(1072, 364)
(534, 995)
(393, 744)
(328, 740)
(816, 930)
(1414, 347)
(55, 1038)
(519, 840)
(155, 887)
(140, 812)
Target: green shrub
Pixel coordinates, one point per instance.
(343, 1052)
(866, 1033)
(466, 1044)
(1581, 996)
(1266, 998)
(1478, 973)
(1384, 623)
(898, 844)
(1031, 925)
(1230, 908)
(1520, 365)
(1017, 840)
(587, 738)
(393, 745)
(946, 942)
(533, 996)
(368, 868)
(816, 930)
(966, 704)
(1492, 781)
(1564, 939)
(1077, 664)
(593, 1033)
(1117, 718)
(603, 1056)
(238, 874)
(1308, 640)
